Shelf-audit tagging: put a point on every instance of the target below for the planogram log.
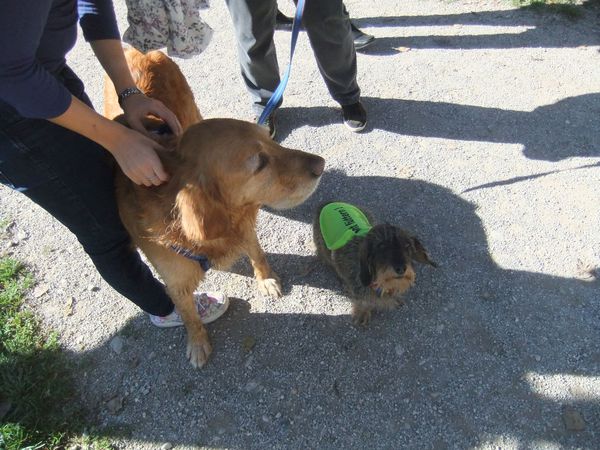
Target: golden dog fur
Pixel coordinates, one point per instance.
(222, 171)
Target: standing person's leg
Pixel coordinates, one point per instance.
(328, 29)
(361, 40)
(254, 25)
(330, 35)
(71, 177)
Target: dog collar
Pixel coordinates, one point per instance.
(200, 259)
(340, 222)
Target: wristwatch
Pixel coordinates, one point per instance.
(126, 93)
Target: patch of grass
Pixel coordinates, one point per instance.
(571, 9)
(36, 382)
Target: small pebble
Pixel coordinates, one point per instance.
(116, 344)
(248, 343)
(40, 290)
(399, 350)
(573, 420)
(115, 404)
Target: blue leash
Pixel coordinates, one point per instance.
(276, 97)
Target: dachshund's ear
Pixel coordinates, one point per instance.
(419, 253)
(366, 263)
(202, 218)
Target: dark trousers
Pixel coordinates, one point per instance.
(72, 178)
(328, 29)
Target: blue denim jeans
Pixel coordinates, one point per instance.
(72, 178)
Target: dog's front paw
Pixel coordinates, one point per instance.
(270, 286)
(361, 316)
(198, 351)
(399, 302)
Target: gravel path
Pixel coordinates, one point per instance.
(484, 140)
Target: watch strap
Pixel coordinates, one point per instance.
(126, 93)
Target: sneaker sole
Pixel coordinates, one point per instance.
(266, 127)
(355, 129)
(364, 45)
(204, 321)
(169, 325)
(221, 311)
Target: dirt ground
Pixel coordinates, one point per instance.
(483, 140)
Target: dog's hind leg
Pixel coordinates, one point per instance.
(181, 277)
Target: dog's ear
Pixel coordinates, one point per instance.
(366, 263)
(202, 218)
(419, 253)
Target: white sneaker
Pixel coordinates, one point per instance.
(210, 306)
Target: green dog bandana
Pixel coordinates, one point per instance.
(340, 222)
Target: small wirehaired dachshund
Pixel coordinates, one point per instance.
(373, 262)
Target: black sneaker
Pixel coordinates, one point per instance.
(361, 40)
(269, 125)
(283, 22)
(355, 116)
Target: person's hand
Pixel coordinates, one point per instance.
(134, 152)
(137, 158)
(136, 107)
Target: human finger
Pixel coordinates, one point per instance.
(135, 123)
(161, 174)
(157, 171)
(168, 116)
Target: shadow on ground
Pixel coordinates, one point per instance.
(547, 26)
(552, 132)
(479, 354)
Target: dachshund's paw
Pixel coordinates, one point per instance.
(270, 286)
(399, 302)
(198, 351)
(361, 317)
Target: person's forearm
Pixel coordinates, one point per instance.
(85, 121)
(135, 153)
(110, 54)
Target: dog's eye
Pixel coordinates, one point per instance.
(263, 160)
(257, 162)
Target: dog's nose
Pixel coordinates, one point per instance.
(317, 166)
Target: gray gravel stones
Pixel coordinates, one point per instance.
(483, 140)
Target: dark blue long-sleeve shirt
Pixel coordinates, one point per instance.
(35, 36)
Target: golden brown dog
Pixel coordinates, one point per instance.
(222, 171)
(374, 264)
(157, 76)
